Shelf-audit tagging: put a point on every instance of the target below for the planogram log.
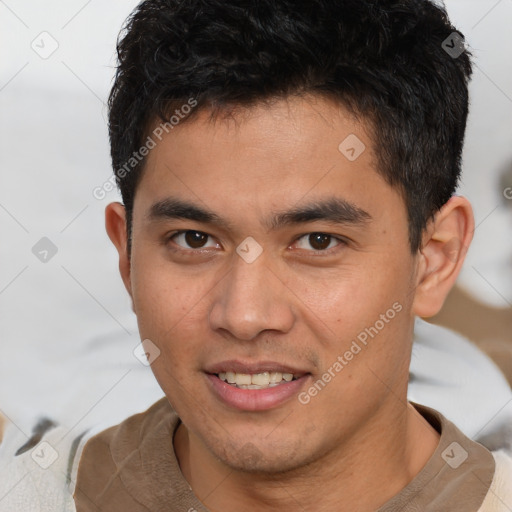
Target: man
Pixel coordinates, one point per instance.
(288, 172)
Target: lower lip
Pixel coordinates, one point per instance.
(255, 399)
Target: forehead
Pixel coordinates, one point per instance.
(280, 153)
(291, 125)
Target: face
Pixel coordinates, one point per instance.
(261, 247)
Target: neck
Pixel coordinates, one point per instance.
(371, 467)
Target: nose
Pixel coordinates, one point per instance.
(250, 299)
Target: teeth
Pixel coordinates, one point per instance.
(243, 379)
(276, 377)
(261, 379)
(255, 380)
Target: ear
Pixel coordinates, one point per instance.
(115, 224)
(444, 246)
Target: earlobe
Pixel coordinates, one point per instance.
(115, 224)
(445, 243)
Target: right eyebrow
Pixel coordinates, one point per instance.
(173, 208)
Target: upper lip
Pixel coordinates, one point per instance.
(254, 367)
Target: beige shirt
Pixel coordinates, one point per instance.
(132, 467)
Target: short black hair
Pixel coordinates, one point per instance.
(398, 64)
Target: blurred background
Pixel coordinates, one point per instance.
(67, 332)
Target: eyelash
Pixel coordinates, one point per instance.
(342, 242)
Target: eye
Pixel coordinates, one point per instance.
(318, 241)
(192, 239)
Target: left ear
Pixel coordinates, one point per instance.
(445, 243)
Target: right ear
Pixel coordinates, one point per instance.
(115, 224)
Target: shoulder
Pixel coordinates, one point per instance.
(131, 433)
(480, 470)
(45, 467)
(36, 467)
(119, 466)
(499, 497)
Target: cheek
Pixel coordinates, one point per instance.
(352, 297)
(171, 313)
(168, 303)
(368, 313)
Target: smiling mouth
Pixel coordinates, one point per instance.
(256, 380)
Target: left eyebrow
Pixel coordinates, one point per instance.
(333, 209)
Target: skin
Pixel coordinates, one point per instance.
(358, 442)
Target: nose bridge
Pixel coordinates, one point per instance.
(250, 300)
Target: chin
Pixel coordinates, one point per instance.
(264, 459)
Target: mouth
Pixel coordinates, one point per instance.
(261, 380)
(255, 386)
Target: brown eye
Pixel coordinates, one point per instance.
(318, 242)
(193, 240)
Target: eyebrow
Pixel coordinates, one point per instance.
(332, 209)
